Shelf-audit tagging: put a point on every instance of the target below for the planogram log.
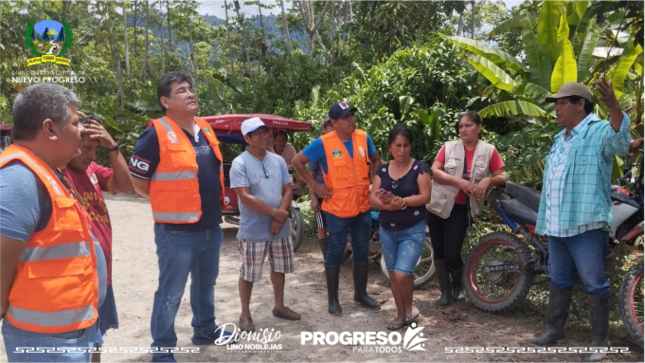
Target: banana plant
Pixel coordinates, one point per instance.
(559, 47)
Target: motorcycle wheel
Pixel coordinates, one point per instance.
(425, 269)
(297, 228)
(631, 302)
(497, 291)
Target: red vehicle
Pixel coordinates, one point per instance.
(228, 130)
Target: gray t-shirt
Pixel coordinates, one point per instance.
(26, 208)
(265, 179)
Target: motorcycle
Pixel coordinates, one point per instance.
(425, 268)
(500, 266)
(295, 216)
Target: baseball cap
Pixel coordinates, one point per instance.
(340, 110)
(326, 121)
(572, 89)
(252, 124)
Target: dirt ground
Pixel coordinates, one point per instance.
(135, 275)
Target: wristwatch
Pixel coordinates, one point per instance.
(115, 148)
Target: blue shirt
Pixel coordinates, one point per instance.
(316, 151)
(145, 160)
(578, 190)
(265, 179)
(553, 191)
(26, 208)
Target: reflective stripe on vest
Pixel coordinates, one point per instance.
(77, 249)
(175, 217)
(178, 175)
(172, 137)
(51, 319)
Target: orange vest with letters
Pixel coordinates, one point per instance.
(347, 177)
(174, 188)
(55, 289)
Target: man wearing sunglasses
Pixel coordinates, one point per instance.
(261, 181)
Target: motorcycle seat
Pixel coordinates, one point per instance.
(617, 195)
(527, 196)
(519, 211)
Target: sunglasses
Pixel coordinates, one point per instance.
(266, 175)
(85, 120)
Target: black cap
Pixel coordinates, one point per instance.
(326, 121)
(340, 110)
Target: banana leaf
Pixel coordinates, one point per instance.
(586, 51)
(566, 69)
(497, 76)
(547, 27)
(625, 63)
(512, 108)
(506, 26)
(532, 91)
(493, 54)
(537, 56)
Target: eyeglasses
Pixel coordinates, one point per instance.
(85, 120)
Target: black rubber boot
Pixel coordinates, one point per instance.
(360, 286)
(322, 242)
(444, 284)
(599, 314)
(457, 290)
(332, 273)
(556, 316)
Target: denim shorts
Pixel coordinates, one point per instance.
(402, 249)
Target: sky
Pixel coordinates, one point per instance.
(40, 26)
(216, 7)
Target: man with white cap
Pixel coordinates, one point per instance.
(575, 208)
(261, 181)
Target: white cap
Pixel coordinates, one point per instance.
(251, 125)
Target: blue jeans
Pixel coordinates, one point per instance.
(181, 253)
(583, 254)
(76, 340)
(402, 249)
(359, 228)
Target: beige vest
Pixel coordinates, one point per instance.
(443, 195)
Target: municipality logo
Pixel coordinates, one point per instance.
(48, 40)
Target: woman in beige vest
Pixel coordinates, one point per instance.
(456, 190)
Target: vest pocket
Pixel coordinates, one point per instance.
(338, 200)
(342, 169)
(52, 270)
(479, 171)
(438, 201)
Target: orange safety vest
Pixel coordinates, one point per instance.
(55, 289)
(174, 188)
(347, 177)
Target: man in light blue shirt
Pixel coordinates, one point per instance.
(261, 181)
(575, 208)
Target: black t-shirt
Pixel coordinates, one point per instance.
(404, 187)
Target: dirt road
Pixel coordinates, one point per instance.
(135, 280)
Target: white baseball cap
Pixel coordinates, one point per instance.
(252, 124)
